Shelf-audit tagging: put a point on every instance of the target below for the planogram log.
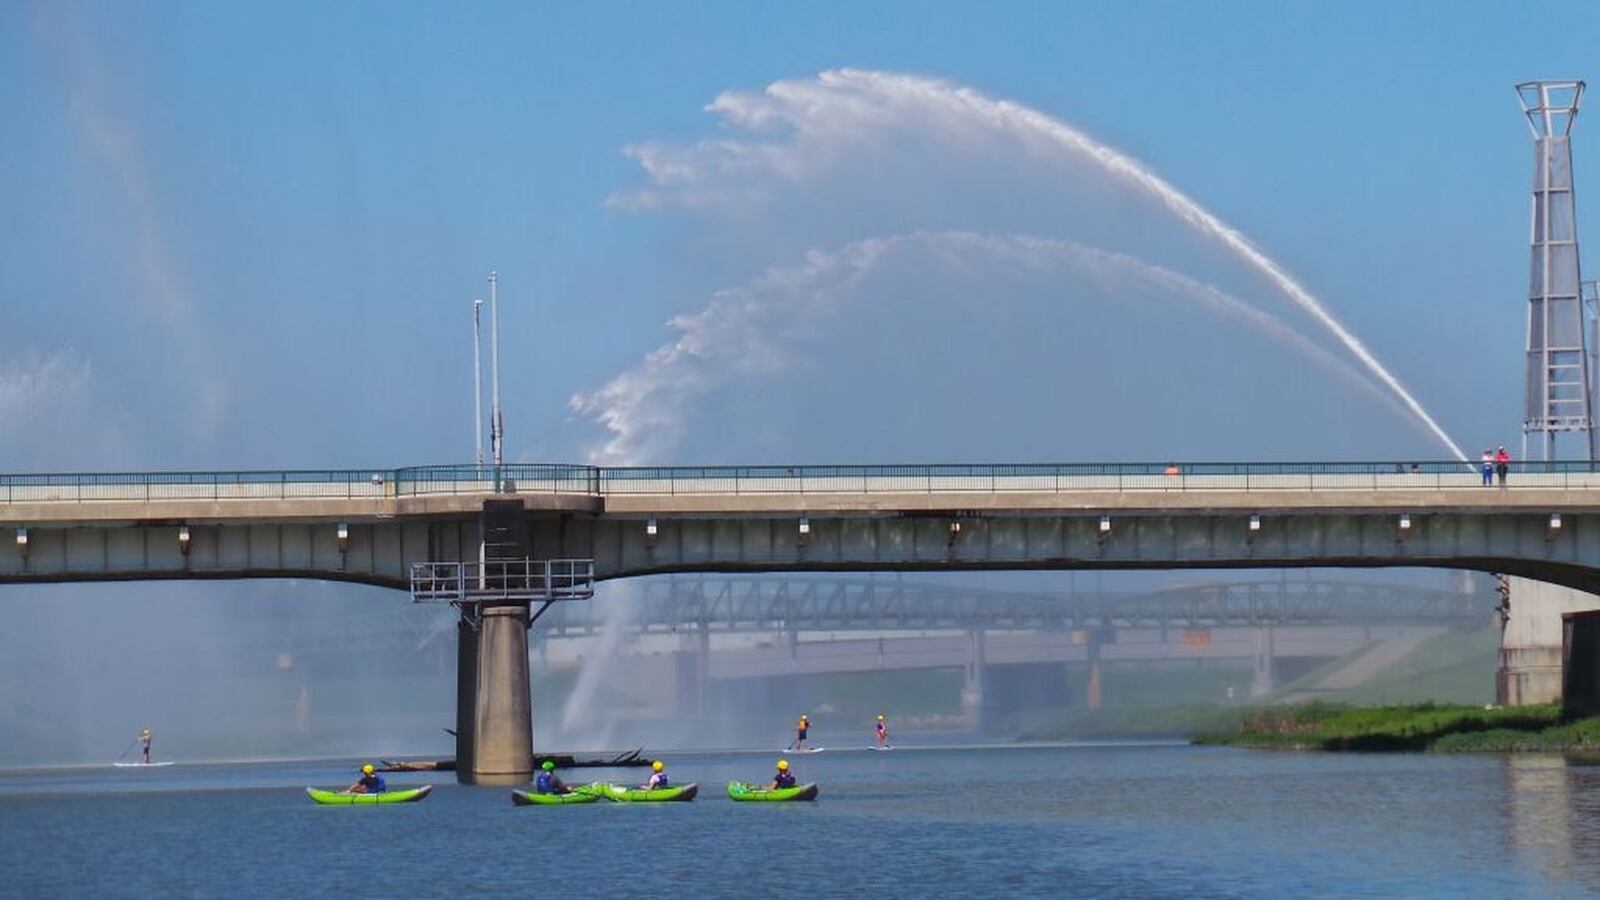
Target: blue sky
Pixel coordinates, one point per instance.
(255, 232)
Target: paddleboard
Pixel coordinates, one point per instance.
(886, 747)
(143, 765)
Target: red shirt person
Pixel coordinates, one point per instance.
(1502, 464)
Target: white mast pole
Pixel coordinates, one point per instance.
(497, 426)
(477, 384)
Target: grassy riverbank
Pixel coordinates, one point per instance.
(1331, 726)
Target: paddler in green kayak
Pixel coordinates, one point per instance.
(370, 782)
(547, 781)
(783, 779)
(658, 777)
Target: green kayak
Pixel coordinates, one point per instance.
(340, 798)
(738, 790)
(583, 794)
(640, 795)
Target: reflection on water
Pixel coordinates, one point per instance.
(1553, 813)
(1025, 821)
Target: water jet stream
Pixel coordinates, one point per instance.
(840, 107)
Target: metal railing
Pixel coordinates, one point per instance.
(502, 579)
(529, 478)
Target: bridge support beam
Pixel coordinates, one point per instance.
(494, 704)
(972, 704)
(692, 668)
(1263, 682)
(1530, 641)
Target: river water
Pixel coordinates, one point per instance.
(1041, 821)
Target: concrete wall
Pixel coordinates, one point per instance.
(1530, 643)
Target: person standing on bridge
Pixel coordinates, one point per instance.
(370, 782)
(1487, 467)
(1502, 464)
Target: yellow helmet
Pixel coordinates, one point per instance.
(783, 765)
(366, 769)
(144, 731)
(657, 766)
(880, 718)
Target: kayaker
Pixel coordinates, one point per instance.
(883, 732)
(783, 779)
(370, 782)
(658, 777)
(144, 744)
(548, 782)
(800, 729)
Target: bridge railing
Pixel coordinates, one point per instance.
(1064, 477)
(145, 487)
(540, 478)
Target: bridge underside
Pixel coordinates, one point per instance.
(367, 542)
(1524, 545)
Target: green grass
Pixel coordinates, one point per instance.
(1443, 728)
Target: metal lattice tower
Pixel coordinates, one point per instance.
(1559, 397)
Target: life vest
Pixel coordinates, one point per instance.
(542, 785)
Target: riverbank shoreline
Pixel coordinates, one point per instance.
(1409, 729)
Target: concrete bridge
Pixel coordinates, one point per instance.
(374, 527)
(457, 534)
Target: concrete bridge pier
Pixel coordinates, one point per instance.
(692, 668)
(972, 704)
(494, 703)
(1263, 682)
(1091, 690)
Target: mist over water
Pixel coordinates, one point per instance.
(216, 670)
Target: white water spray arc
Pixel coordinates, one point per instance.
(1013, 116)
(803, 127)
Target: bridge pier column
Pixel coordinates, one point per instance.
(972, 705)
(1530, 640)
(693, 665)
(1262, 682)
(494, 703)
(1092, 689)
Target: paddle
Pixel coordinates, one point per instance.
(123, 755)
